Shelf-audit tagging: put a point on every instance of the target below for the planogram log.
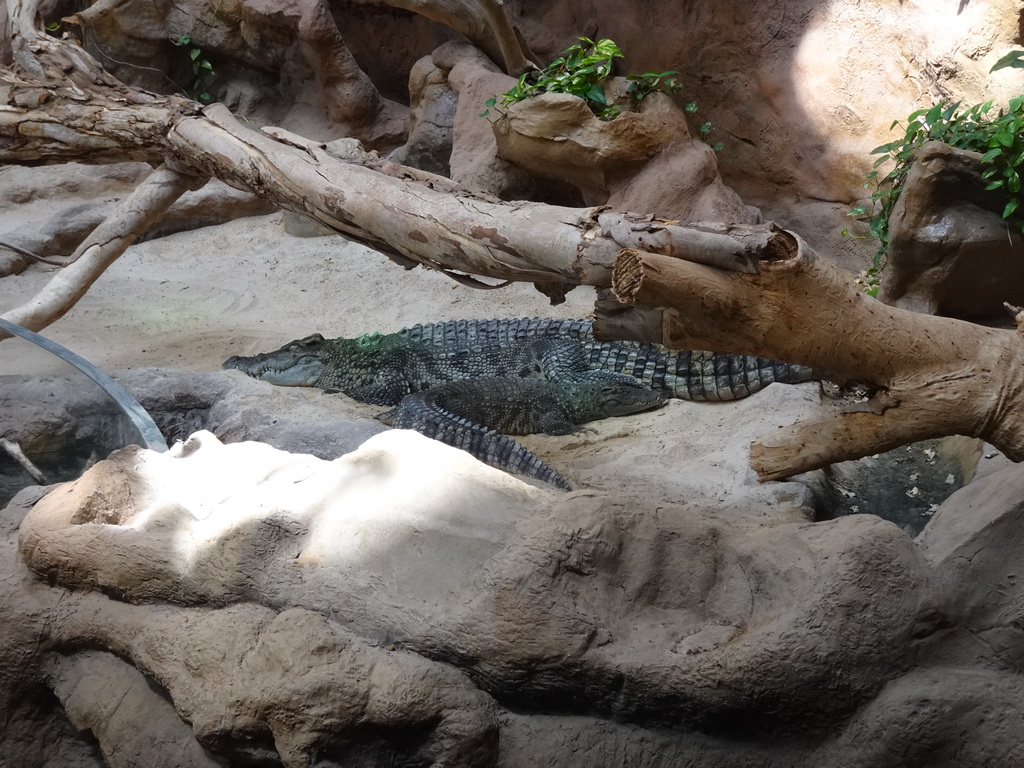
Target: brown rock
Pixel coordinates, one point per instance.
(607, 617)
(432, 105)
(950, 252)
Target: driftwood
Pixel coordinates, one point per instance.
(934, 376)
(403, 213)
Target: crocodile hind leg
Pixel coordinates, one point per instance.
(487, 445)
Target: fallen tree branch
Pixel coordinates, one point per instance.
(935, 376)
(515, 241)
(45, 123)
(401, 214)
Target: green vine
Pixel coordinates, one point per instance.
(202, 70)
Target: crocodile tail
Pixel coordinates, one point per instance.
(713, 376)
(694, 375)
(482, 443)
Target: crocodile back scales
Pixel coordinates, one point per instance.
(684, 374)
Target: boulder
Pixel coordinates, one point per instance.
(950, 251)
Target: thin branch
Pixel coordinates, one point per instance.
(30, 255)
(131, 218)
(95, 12)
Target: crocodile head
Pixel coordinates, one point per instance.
(372, 368)
(299, 363)
(623, 399)
(616, 394)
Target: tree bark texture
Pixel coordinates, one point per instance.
(935, 376)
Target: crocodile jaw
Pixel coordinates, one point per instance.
(304, 372)
(632, 402)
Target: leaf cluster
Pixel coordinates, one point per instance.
(647, 83)
(1000, 140)
(202, 69)
(1014, 60)
(580, 71)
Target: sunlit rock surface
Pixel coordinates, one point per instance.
(404, 604)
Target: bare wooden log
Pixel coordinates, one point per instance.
(935, 376)
(444, 227)
(401, 214)
(441, 228)
(132, 217)
(49, 122)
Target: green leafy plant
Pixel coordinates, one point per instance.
(202, 70)
(999, 139)
(579, 71)
(648, 82)
(1014, 59)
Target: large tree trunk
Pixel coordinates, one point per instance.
(755, 290)
(934, 376)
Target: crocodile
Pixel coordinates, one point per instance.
(382, 369)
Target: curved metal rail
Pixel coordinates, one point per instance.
(144, 424)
